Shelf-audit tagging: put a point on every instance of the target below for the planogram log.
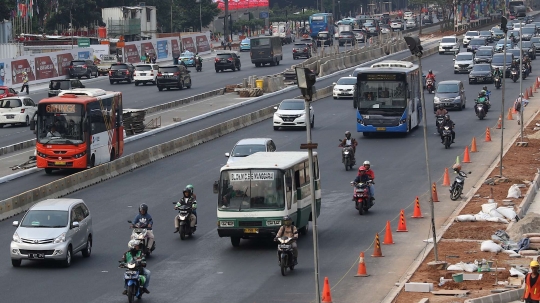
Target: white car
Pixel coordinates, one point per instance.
(396, 25)
(463, 63)
(292, 113)
(469, 36)
(145, 73)
(411, 23)
(344, 87)
(449, 44)
(246, 147)
(408, 14)
(17, 110)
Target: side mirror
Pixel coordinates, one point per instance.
(32, 125)
(334, 84)
(238, 56)
(227, 155)
(16, 223)
(75, 224)
(454, 59)
(129, 221)
(215, 187)
(275, 107)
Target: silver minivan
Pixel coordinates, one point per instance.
(53, 229)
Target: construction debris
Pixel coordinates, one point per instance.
(527, 225)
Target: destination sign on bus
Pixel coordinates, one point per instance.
(380, 77)
(61, 108)
(258, 176)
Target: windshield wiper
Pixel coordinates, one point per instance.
(71, 142)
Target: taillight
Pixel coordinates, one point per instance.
(177, 74)
(71, 66)
(127, 72)
(22, 110)
(217, 59)
(230, 59)
(159, 74)
(84, 66)
(305, 49)
(294, 50)
(110, 73)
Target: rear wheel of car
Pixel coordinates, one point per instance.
(312, 124)
(16, 263)
(189, 85)
(1, 125)
(276, 127)
(160, 88)
(257, 65)
(273, 63)
(239, 67)
(87, 251)
(136, 83)
(111, 81)
(441, 53)
(181, 86)
(233, 68)
(27, 121)
(67, 261)
(129, 81)
(217, 70)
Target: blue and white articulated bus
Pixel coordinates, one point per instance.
(256, 192)
(387, 97)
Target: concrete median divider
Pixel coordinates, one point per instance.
(17, 146)
(180, 102)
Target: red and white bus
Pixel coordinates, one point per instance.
(80, 128)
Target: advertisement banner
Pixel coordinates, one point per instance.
(83, 55)
(242, 4)
(162, 49)
(147, 47)
(45, 68)
(17, 69)
(188, 44)
(131, 54)
(3, 73)
(203, 44)
(100, 51)
(175, 48)
(63, 61)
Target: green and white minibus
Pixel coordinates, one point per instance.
(256, 192)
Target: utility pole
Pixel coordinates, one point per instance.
(226, 20)
(504, 21)
(521, 81)
(71, 24)
(171, 15)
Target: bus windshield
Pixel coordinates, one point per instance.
(382, 95)
(60, 123)
(251, 190)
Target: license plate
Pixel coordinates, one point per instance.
(36, 256)
(480, 79)
(10, 117)
(143, 74)
(251, 230)
(59, 163)
(343, 94)
(381, 128)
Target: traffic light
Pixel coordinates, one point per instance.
(414, 46)
(306, 82)
(504, 21)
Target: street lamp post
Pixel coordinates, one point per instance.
(200, 11)
(505, 30)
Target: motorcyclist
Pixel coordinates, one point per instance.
(488, 93)
(450, 124)
(371, 174)
(497, 72)
(482, 99)
(441, 111)
(192, 192)
(289, 230)
(134, 252)
(349, 141)
(198, 60)
(144, 218)
(431, 76)
(527, 62)
(187, 199)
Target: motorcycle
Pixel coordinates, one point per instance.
(198, 65)
(429, 86)
(525, 71)
(362, 198)
(133, 279)
(438, 120)
(140, 233)
(184, 216)
(347, 156)
(457, 187)
(497, 82)
(514, 75)
(447, 136)
(480, 111)
(285, 254)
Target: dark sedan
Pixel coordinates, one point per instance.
(481, 73)
(475, 44)
(347, 37)
(527, 33)
(536, 42)
(301, 50)
(483, 55)
(486, 35)
(529, 48)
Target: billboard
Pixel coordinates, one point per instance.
(241, 4)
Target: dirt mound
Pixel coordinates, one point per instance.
(529, 224)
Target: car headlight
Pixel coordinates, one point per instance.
(301, 115)
(16, 238)
(273, 223)
(458, 98)
(436, 99)
(61, 238)
(336, 90)
(226, 223)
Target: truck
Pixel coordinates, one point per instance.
(104, 64)
(343, 28)
(265, 49)
(283, 30)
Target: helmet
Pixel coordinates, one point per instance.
(366, 163)
(24, 73)
(430, 72)
(133, 243)
(534, 263)
(348, 134)
(190, 187)
(440, 106)
(456, 167)
(497, 68)
(187, 190)
(143, 207)
(446, 117)
(485, 88)
(361, 168)
(287, 220)
(482, 93)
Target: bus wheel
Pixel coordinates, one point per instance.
(93, 161)
(113, 155)
(304, 230)
(48, 171)
(235, 241)
(365, 134)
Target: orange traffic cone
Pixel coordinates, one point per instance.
(446, 179)
(488, 139)
(466, 156)
(362, 272)
(326, 294)
(473, 145)
(388, 236)
(377, 249)
(417, 212)
(535, 86)
(434, 196)
(530, 92)
(402, 225)
(514, 110)
(526, 94)
(499, 122)
(509, 116)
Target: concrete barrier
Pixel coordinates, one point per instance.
(17, 146)
(504, 297)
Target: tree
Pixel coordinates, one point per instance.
(186, 14)
(84, 13)
(5, 10)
